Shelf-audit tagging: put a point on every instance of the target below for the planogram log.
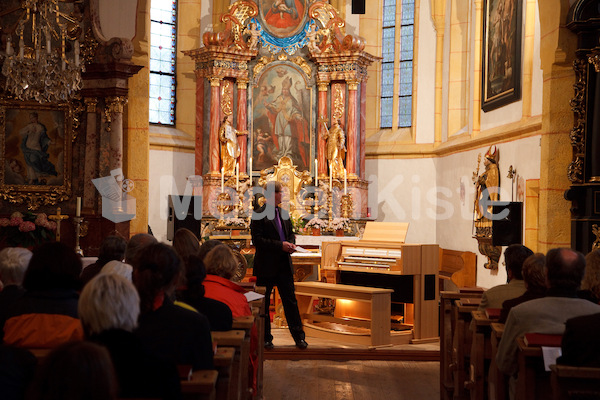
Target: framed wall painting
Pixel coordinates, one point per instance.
(35, 153)
(501, 53)
(283, 18)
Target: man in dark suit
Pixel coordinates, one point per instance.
(580, 345)
(274, 239)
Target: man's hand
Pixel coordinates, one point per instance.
(288, 247)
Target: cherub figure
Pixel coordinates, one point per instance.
(313, 37)
(254, 33)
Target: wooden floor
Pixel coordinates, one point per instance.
(351, 380)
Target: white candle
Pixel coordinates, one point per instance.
(222, 179)
(9, 50)
(78, 210)
(237, 177)
(250, 173)
(21, 48)
(48, 44)
(316, 174)
(77, 53)
(345, 182)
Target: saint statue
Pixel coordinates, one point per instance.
(487, 185)
(230, 151)
(336, 149)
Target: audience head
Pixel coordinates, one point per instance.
(118, 267)
(220, 261)
(195, 272)
(135, 244)
(534, 273)
(273, 191)
(53, 266)
(112, 248)
(514, 256)
(75, 371)
(564, 268)
(591, 277)
(156, 271)
(207, 247)
(108, 301)
(13, 264)
(185, 243)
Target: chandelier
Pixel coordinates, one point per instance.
(39, 69)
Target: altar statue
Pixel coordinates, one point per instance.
(487, 185)
(336, 149)
(230, 151)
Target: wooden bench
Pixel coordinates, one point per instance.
(379, 300)
(223, 361)
(201, 385)
(571, 383)
(496, 379)
(533, 381)
(480, 352)
(235, 338)
(461, 343)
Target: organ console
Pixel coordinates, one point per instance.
(382, 260)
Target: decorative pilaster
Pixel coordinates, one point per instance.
(242, 122)
(113, 117)
(321, 121)
(352, 129)
(215, 120)
(91, 154)
(363, 127)
(198, 154)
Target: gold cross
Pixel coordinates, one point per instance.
(58, 218)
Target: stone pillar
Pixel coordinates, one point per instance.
(199, 148)
(321, 121)
(363, 127)
(113, 114)
(91, 155)
(242, 122)
(215, 122)
(351, 134)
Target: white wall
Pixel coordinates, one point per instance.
(425, 93)
(168, 175)
(116, 16)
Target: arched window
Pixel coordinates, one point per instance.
(163, 40)
(397, 62)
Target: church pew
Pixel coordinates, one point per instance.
(245, 323)
(200, 385)
(236, 339)
(461, 344)
(571, 383)
(480, 353)
(496, 379)
(223, 361)
(258, 311)
(533, 381)
(448, 301)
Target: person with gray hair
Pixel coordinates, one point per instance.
(136, 243)
(13, 264)
(109, 307)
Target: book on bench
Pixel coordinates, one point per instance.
(542, 339)
(493, 313)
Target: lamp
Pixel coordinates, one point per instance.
(39, 68)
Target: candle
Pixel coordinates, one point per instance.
(78, 210)
(9, 50)
(316, 174)
(77, 53)
(345, 182)
(21, 48)
(237, 176)
(250, 169)
(222, 178)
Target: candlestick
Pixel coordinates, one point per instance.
(330, 178)
(222, 178)
(250, 173)
(345, 182)
(316, 173)
(78, 210)
(237, 176)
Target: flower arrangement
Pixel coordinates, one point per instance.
(235, 223)
(316, 223)
(339, 224)
(298, 223)
(26, 230)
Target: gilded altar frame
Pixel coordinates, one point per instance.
(35, 153)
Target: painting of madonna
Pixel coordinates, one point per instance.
(283, 18)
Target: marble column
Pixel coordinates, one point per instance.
(363, 127)
(321, 130)
(91, 154)
(242, 122)
(351, 132)
(113, 114)
(199, 148)
(215, 121)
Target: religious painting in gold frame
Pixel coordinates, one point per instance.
(283, 18)
(35, 153)
(282, 104)
(501, 53)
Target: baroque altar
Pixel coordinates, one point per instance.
(281, 94)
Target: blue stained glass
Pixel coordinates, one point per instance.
(388, 45)
(405, 78)
(408, 12)
(386, 112)
(404, 111)
(406, 43)
(387, 80)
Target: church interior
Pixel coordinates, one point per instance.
(428, 133)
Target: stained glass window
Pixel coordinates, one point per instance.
(163, 21)
(388, 51)
(406, 64)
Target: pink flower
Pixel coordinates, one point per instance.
(27, 226)
(4, 222)
(51, 225)
(41, 219)
(15, 221)
(16, 214)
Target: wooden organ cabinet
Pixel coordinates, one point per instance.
(382, 260)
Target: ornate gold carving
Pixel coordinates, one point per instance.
(594, 59)
(90, 104)
(113, 105)
(352, 84)
(261, 64)
(226, 102)
(78, 109)
(89, 47)
(235, 21)
(35, 199)
(322, 86)
(282, 56)
(301, 62)
(491, 252)
(215, 81)
(338, 103)
(242, 83)
(596, 231)
(577, 134)
(334, 39)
